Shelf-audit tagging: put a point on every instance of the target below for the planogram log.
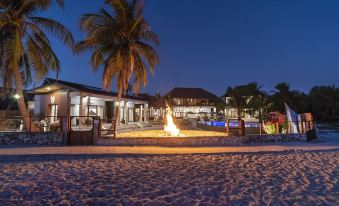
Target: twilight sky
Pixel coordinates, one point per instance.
(214, 44)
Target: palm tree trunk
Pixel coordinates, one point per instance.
(21, 102)
(239, 114)
(116, 120)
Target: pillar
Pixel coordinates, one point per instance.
(141, 112)
(145, 112)
(125, 112)
(81, 109)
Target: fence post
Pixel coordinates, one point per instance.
(302, 127)
(115, 129)
(30, 123)
(64, 129)
(228, 126)
(96, 130)
(241, 125)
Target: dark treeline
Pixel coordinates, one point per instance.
(321, 101)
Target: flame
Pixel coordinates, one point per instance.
(170, 128)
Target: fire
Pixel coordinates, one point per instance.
(170, 128)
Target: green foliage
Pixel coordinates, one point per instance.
(24, 43)
(119, 41)
(249, 98)
(324, 102)
(25, 50)
(269, 128)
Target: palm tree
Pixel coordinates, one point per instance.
(324, 102)
(238, 99)
(258, 101)
(119, 42)
(283, 94)
(25, 50)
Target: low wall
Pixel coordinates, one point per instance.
(277, 138)
(201, 141)
(33, 138)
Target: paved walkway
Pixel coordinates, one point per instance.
(106, 150)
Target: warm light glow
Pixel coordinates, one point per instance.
(52, 99)
(170, 128)
(16, 96)
(48, 88)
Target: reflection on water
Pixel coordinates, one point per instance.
(232, 124)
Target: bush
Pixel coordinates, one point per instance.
(269, 128)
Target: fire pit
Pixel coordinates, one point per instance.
(170, 128)
(160, 133)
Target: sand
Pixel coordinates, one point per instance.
(269, 178)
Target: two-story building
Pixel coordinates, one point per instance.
(191, 102)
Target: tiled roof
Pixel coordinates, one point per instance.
(194, 93)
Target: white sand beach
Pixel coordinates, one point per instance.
(269, 178)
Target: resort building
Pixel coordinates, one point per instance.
(61, 98)
(230, 110)
(191, 102)
(156, 106)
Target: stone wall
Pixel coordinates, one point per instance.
(34, 138)
(201, 141)
(174, 141)
(277, 138)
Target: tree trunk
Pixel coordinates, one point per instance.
(116, 120)
(239, 111)
(21, 102)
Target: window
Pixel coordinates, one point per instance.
(53, 108)
(92, 110)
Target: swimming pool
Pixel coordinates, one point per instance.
(232, 124)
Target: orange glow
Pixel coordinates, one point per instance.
(170, 128)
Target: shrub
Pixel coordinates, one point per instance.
(269, 128)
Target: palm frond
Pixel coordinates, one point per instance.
(55, 28)
(35, 54)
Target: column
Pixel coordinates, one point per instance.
(145, 112)
(81, 108)
(141, 111)
(125, 112)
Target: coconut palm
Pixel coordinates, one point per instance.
(283, 94)
(25, 50)
(120, 42)
(324, 102)
(238, 99)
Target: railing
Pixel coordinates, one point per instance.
(16, 123)
(233, 126)
(81, 123)
(107, 128)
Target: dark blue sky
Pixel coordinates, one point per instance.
(214, 44)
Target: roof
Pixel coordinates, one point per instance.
(194, 93)
(153, 101)
(53, 84)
